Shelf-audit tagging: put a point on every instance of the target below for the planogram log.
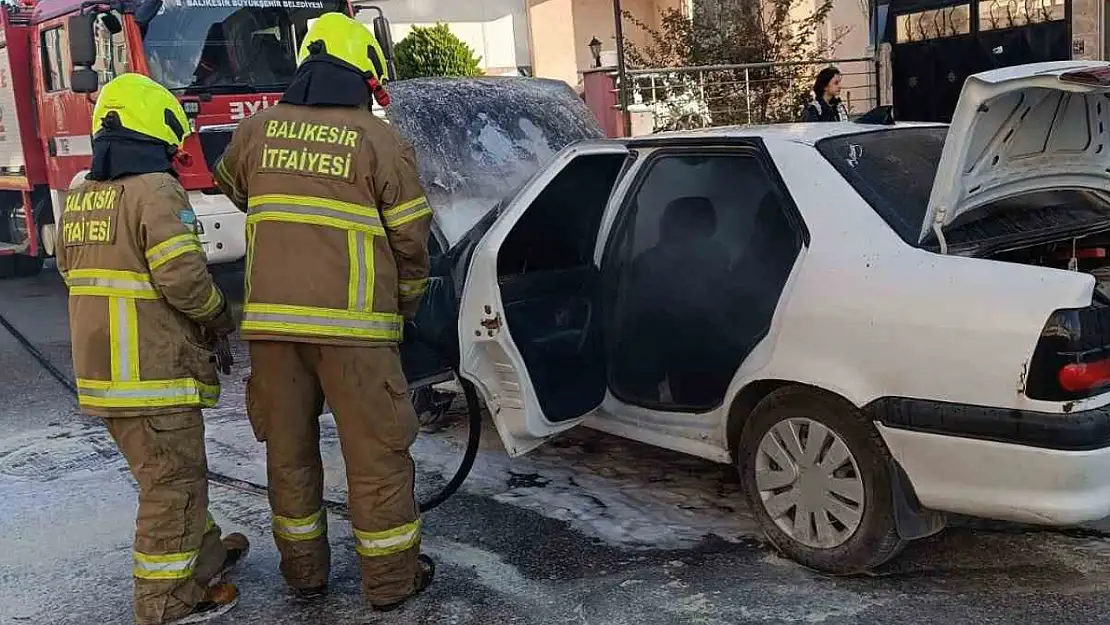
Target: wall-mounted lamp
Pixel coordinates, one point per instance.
(595, 49)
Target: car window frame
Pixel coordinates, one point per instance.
(640, 167)
(880, 205)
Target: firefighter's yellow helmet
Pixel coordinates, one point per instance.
(143, 106)
(347, 40)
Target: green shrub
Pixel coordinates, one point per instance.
(434, 51)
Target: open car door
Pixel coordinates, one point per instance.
(530, 321)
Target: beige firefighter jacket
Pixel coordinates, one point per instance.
(140, 298)
(337, 225)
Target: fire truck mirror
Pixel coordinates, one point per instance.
(111, 22)
(84, 80)
(384, 36)
(82, 43)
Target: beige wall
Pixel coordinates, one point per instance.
(552, 39)
(561, 31)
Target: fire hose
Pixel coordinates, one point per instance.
(472, 443)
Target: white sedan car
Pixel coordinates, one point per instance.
(878, 323)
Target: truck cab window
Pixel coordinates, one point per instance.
(54, 49)
(234, 47)
(111, 52)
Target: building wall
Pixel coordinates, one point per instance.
(552, 39)
(561, 31)
(497, 30)
(1086, 31)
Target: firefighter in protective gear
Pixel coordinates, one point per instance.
(143, 312)
(337, 259)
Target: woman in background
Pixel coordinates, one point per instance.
(826, 105)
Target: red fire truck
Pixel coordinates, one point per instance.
(224, 58)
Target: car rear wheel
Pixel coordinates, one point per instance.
(816, 474)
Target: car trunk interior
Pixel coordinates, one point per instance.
(1089, 254)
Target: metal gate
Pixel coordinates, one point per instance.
(936, 49)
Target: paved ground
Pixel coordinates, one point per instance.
(587, 530)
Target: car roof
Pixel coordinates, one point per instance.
(805, 133)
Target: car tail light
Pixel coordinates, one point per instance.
(1072, 357)
(1084, 376)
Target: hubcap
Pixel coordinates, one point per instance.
(809, 483)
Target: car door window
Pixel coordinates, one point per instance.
(696, 266)
(111, 52)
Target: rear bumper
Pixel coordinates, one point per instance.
(1041, 468)
(224, 236)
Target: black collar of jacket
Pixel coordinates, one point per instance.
(119, 152)
(323, 80)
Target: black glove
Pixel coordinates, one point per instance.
(222, 355)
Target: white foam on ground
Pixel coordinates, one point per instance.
(618, 491)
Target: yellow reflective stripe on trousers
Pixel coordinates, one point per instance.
(360, 275)
(412, 289)
(389, 542)
(171, 248)
(111, 283)
(164, 566)
(314, 211)
(405, 212)
(123, 336)
(146, 393)
(305, 528)
(306, 320)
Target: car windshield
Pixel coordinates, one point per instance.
(892, 169)
(226, 46)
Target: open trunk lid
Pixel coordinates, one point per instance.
(1021, 129)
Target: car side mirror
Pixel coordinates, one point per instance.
(82, 43)
(84, 80)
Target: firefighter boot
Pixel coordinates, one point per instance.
(236, 548)
(424, 577)
(218, 601)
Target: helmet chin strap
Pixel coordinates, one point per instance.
(381, 96)
(181, 158)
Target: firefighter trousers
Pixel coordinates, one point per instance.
(366, 390)
(177, 544)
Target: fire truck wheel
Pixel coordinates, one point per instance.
(27, 266)
(19, 266)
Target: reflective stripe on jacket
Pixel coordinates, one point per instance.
(337, 225)
(139, 294)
